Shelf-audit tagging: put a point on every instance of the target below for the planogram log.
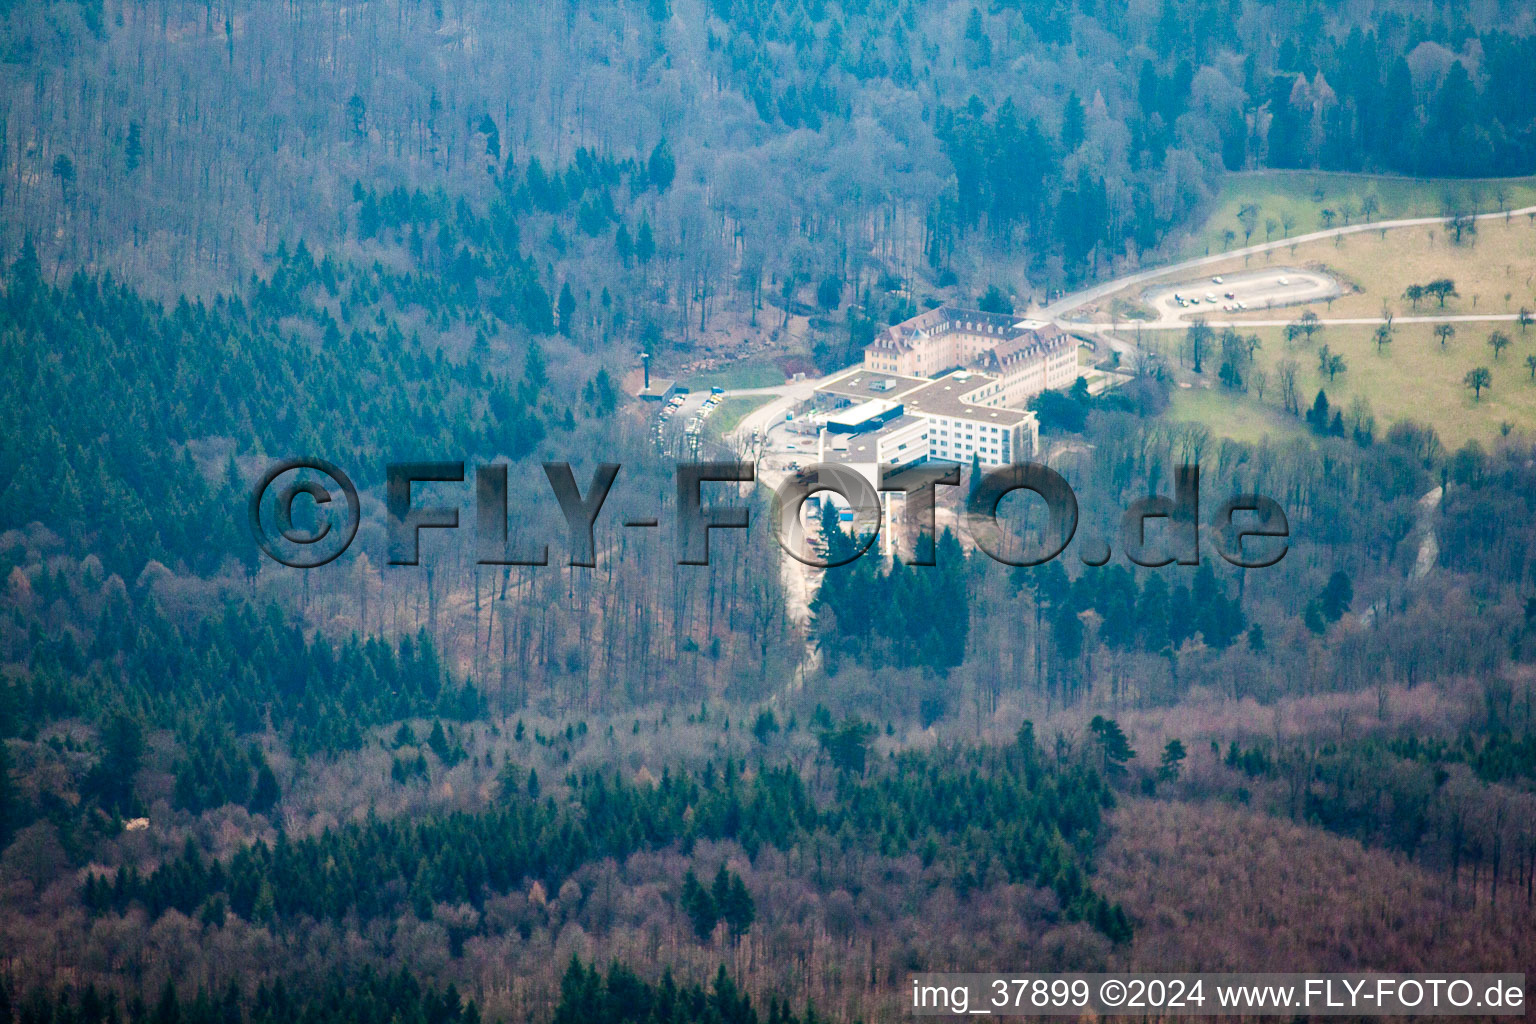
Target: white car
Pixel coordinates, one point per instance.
(1216, 279)
(1285, 282)
(1210, 297)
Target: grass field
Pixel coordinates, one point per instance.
(749, 373)
(1413, 378)
(730, 412)
(1302, 196)
(1240, 417)
(1494, 270)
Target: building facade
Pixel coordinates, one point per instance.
(966, 375)
(954, 425)
(1021, 358)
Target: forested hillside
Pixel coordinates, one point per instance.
(470, 789)
(754, 146)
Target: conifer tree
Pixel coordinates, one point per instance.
(1114, 748)
(10, 803)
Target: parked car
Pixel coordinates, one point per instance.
(1216, 279)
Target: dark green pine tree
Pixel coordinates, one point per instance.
(720, 890)
(645, 243)
(1181, 616)
(1172, 762)
(266, 793)
(566, 308)
(661, 167)
(1453, 120)
(1218, 618)
(1313, 618)
(111, 780)
(847, 746)
(1067, 632)
(1256, 642)
(581, 995)
(10, 803)
(1337, 596)
(168, 1009)
(1073, 124)
(738, 910)
(699, 905)
(1114, 747)
(1317, 416)
(624, 245)
(1116, 603)
(535, 368)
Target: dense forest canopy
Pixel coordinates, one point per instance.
(233, 231)
(752, 142)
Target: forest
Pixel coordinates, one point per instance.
(233, 231)
(716, 153)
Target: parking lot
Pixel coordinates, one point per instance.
(683, 416)
(1243, 292)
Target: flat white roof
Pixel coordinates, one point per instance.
(861, 413)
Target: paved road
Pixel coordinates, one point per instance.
(786, 396)
(1059, 309)
(759, 420)
(1361, 321)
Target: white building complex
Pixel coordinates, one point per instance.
(949, 384)
(1018, 358)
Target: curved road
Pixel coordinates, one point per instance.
(788, 395)
(1058, 310)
